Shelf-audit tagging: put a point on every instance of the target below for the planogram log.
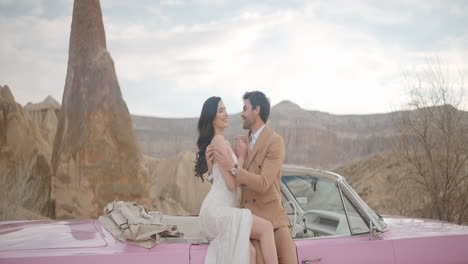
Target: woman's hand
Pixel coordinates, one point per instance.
(240, 148)
(209, 155)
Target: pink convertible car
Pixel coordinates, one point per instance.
(331, 225)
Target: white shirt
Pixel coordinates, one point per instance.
(252, 141)
(254, 137)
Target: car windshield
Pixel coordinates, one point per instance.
(375, 217)
(313, 193)
(322, 196)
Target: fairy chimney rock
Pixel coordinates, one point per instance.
(96, 157)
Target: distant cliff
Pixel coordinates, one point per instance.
(45, 115)
(312, 138)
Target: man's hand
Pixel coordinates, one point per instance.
(240, 148)
(209, 155)
(223, 158)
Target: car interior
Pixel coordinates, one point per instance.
(322, 209)
(315, 207)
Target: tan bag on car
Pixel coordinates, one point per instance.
(132, 224)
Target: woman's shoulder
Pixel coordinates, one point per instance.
(218, 140)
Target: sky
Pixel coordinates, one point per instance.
(341, 57)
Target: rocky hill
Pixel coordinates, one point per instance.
(382, 181)
(174, 189)
(45, 115)
(312, 138)
(25, 170)
(95, 150)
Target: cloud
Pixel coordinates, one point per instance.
(172, 2)
(288, 54)
(34, 55)
(323, 55)
(361, 11)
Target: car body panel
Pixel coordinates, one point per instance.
(394, 240)
(432, 250)
(405, 227)
(59, 235)
(350, 250)
(77, 241)
(197, 253)
(427, 241)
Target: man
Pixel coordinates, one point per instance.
(260, 175)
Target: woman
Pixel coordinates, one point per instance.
(228, 228)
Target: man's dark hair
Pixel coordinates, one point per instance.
(258, 98)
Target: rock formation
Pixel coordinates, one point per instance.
(383, 181)
(96, 157)
(312, 138)
(25, 171)
(165, 137)
(322, 140)
(174, 187)
(45, 115)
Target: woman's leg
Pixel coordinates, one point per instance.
(262, 230)
(253, 256)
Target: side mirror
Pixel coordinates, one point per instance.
(375, 234)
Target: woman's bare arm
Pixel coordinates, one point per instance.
(224, 149)
(209, 156)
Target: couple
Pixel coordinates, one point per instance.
(259, 229)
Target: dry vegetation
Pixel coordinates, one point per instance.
(382, 180)
(426, 175)
(434, 141)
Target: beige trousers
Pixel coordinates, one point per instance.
(284, 247)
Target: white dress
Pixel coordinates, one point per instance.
(225, 226)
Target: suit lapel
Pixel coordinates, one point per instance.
(258, 145)
(249, 152)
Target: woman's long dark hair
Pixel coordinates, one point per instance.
(205, 134)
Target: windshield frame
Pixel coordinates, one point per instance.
(344, 188)
(359, 203)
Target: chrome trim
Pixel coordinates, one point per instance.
(303, 171)
(358, 202)
(294, 170)
(362, 213)
(325, 237)
(345, 209)
(307, 261)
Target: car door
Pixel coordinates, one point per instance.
(197, 253)
(330, 228)
(349, 250)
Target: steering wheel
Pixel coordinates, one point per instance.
(301, 221)
(295, 228)
(308, 212)
(293, 205)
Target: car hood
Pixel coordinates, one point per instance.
(417, 227)
(24, 235)
(26, 240)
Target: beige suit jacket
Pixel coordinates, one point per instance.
(260, 179)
